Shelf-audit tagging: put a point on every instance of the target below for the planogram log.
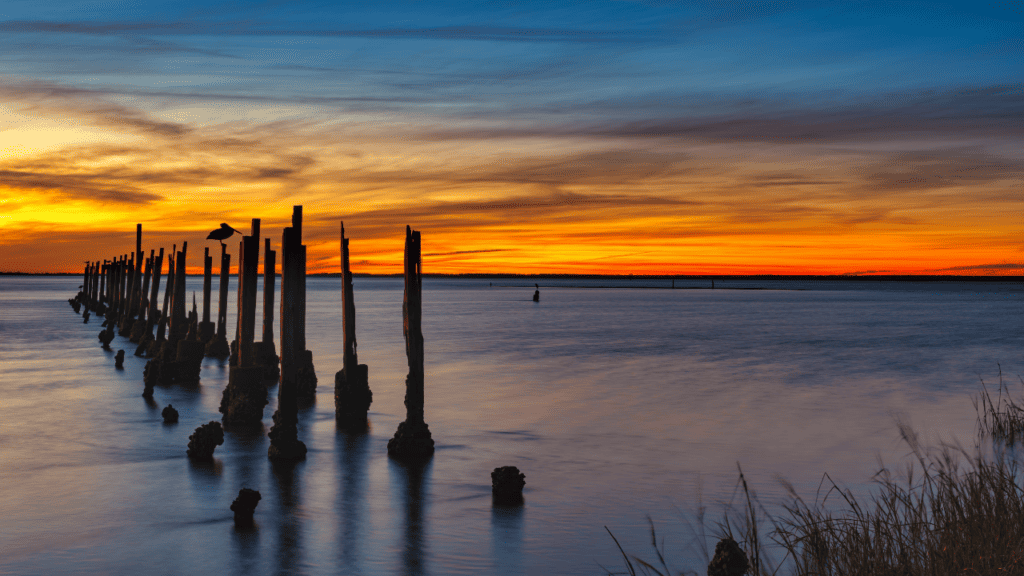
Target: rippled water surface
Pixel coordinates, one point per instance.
(616, 402)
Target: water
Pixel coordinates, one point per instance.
(616, 403)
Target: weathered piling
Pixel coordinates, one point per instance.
(124, 319)
(178, 326)
(207, 328)
(135, 296)
(296, 361)
(352, 395)
(101, 305)
(161, 327)
(218, 347)
(284, 442)
(139, 329)
(412, 439)
(246, 395)
(264, 352)
(152, 311)
(178, 358)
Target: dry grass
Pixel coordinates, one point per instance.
(949, 510)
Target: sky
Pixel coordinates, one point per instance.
(611, 137)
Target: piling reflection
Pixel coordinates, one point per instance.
(246, 543)
(507, 539)
(289, 534)
(352, 450)
(411, 479)
(250, 444)
(205, 475)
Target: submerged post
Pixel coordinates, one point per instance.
(412, 439)
(352, 395)
(246, 395)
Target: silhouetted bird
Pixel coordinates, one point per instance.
(222, 233)
(536, 294)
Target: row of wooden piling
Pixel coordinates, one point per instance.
(125, 290)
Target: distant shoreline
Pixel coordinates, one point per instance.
(682, 277)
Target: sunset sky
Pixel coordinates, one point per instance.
(659, 137)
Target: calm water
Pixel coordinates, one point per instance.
(616, 403)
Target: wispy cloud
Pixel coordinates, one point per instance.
(473, 32)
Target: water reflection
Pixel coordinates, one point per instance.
(246, 543)
(412, 479)
(205, 476)
(250, 445)
(352, 450)
(507, 538)
(289, 533)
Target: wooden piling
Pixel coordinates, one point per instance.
(218, 346)
(269, 279)
(352, 395)
(284, 442)
(207, 328)
(265, 354)
(412, 439)
(139, 327)
(246, 395)
(152, 312)
(179, 316)
(296, 361)
(248, 261)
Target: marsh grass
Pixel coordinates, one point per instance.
(1001, 420)
(948, 510)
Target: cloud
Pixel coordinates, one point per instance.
(87, 187)
(475, 32)
(944, 168)
(967, 111)
(1003, 266)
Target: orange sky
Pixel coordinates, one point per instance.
(76, 182)
(540, 152)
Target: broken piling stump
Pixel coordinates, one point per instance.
(169, 414)
(205, 440)
(119, 360)
(412, 439)
(244, 506)
(352, 395)
(507, 484)
(729, 559)
(245, 395)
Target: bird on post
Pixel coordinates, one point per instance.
(222, 233)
